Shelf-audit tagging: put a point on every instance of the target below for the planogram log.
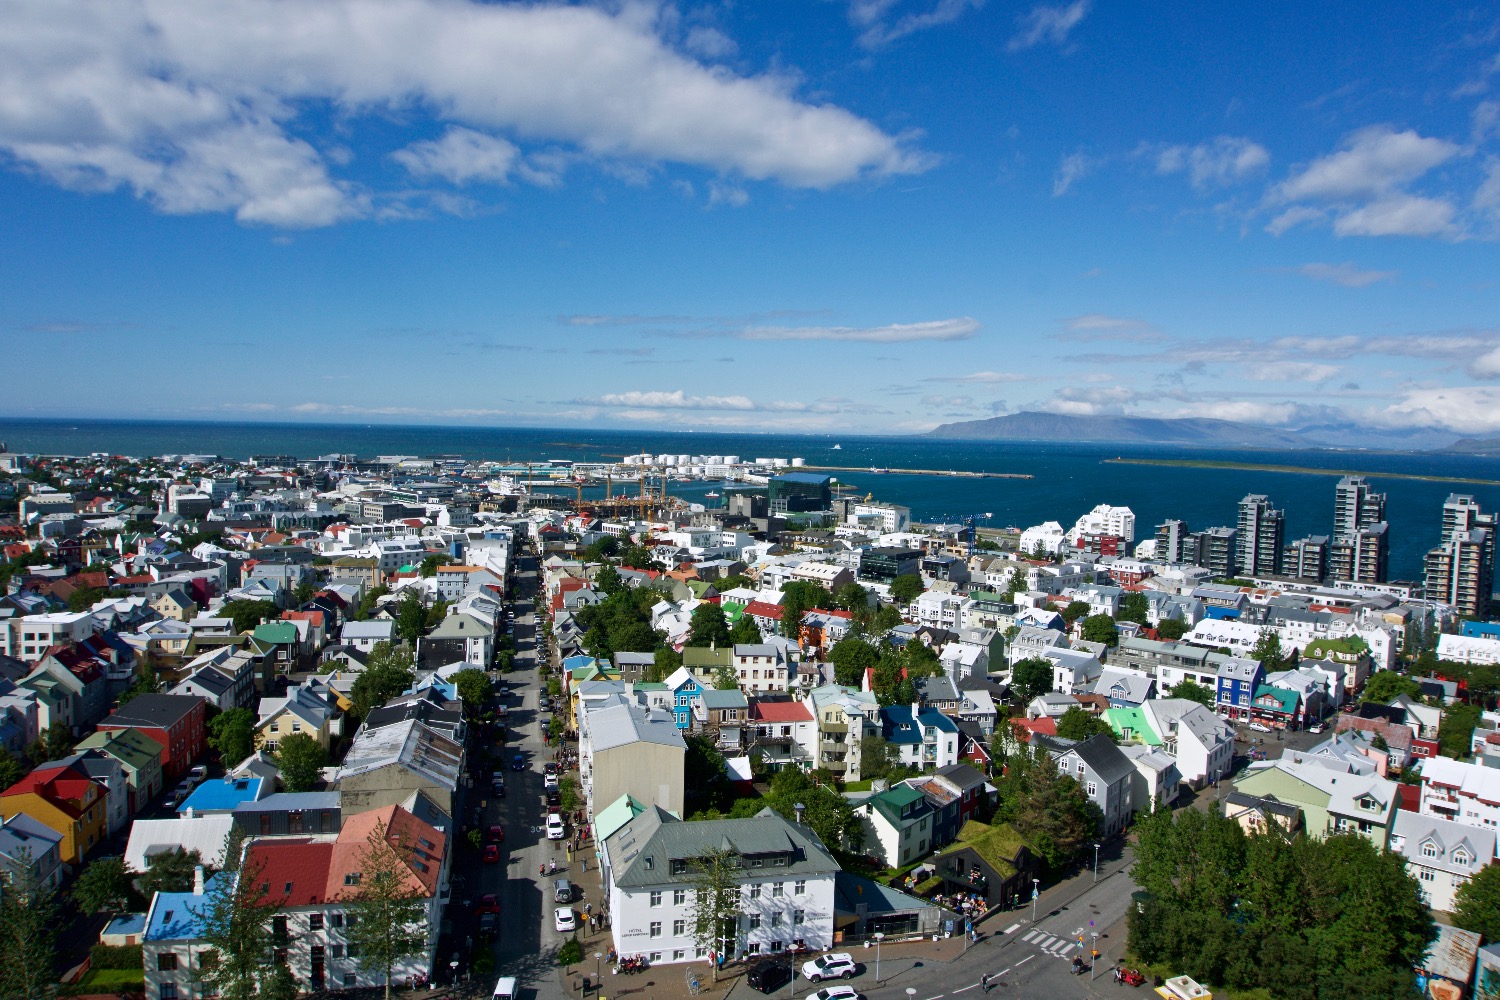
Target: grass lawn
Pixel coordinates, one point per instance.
(118, 980)
(857, 786)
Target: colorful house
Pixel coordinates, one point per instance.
(66, 800)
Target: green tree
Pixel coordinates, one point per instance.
(436, 612)
(411, 617)
(1049, 809)
(1031, 678)
(235, 918)
(725, 679)
(247, 614)
(604, 548)
(1456, 730)
(607, 580)
(571, 952)
(907, 588)
(104, 884)
(388, 672)
(708, 627)
(1076, 724)
(744, 632)
(1192, 691)
(884, 619)
(28, 921)
(1387, 685)
(387, 904)
(851, 657)
(278, 983)
(797, 599)
(86, 597)
(10, 769)
(232, 734)
(301, 760)
(853, 597)
(1268, 650)
(1171, 629)
(829, 814)
(1477, 903)
(634, 556)
(879, 759)
(664, 663)
(56, 742)
(1016, 584)
(473, 689)
(1074, 611)
(714, 902)
(1100, 628)
(168, 871)
(1135, 608)
(306, 590)
(430, 564)
(368, 601)
(705, 775)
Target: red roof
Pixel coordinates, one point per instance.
(64, 786)
(832, 614)
(292, 872)
(779, 711)
(760, 609)
(314, 618)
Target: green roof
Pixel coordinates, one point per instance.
(276, 632)
(703, 657)
(1287, 699)
(615, 815)
(890, 802)
(649, 686)
(1134, 720)
(998, 845)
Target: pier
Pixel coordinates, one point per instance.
(956, 473)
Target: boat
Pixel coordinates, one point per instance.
(711, 495)
(838, 447)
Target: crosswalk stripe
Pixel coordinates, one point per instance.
(1045, 944)
(1031, 935)
(1063, 953)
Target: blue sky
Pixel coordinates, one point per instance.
(842, 215)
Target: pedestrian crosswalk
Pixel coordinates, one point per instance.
(1050, 944)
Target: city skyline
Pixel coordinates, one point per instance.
(874, 216)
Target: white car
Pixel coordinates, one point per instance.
(839, 965)
(564, 919)
(1260, 727)
(549, 781)
(556, 829)
(835, 993)
(1315, 728)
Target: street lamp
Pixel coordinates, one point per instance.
(1036, 890)
(879, 936)
(597, 974)
(1096, 862)
(1094, 956)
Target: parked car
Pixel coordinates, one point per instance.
(554, 797)
(496, 834)
(1260, 727)
(488, 903)
(491, 854)
(835, 993)
(198, 773)
(562, 891)
(768, 976)
(1315, 728)
(549, 780)
(556, 828)
(518, 762)
(564, 919)
(550, 767)
(838, 965)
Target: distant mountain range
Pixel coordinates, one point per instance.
(1034, 426)
(1488, 447)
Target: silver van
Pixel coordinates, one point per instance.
(562, 891)
(505, 989)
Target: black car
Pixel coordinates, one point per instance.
(768, 975)
(553, 797)
(518, 763)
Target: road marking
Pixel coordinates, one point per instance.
(1048, 942)
(1024, 960)
(1064, 952)
(1031, 934)
(1001, 973)
(1011, 929)
(963, 988)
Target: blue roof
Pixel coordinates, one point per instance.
(127, 923)
(172, 916)
(1222, 614)
(893, 717)
(222, 796)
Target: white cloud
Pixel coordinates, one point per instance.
(1487, 198)
(1486, 119)
(1293, 217)
(1399, 215)
(721, 193)
(1088, 400)
(1246, 411)
(675, 399)
(1099, 321)
(709, 43)
(1218, 163)
(1047, 24)
(961, 328)
(1487, 365)
(1073, 167)
(1293, 371)
(872, 16)
(1346, 274)
(1373, 162)
(193, 104)
(460, 156)
(1471, 409)
(980, 378)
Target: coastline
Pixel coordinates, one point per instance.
(1298, 470)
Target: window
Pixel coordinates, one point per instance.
(352, 878)
(1428, 875)
(678, 955)
(798, 916)
(1093, 789)
(1461, 856)
(1429, 850)
(166, 962)
(337, 950)
(352, 950)
(800, 887)
(777, 888)
(315, 921)
(656, 958)
(679, 897)
(336, 919)
(656, 928)
(754, 921)
(755, 891)
(775, 920)
(655, 899)
(349, 979)
(679, 928)
(168, 991)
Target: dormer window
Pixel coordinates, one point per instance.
(1461, 856)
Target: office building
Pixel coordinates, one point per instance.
(1172, 542)
(1362, 556)
(800, 491)
(1262, 530)
(1306, 559)
(1216, 550)
(1355, 506)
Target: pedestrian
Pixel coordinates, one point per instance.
(984, 981)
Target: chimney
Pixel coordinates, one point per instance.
(198, 880)
(799, 809)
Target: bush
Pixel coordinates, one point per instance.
(108, 956)
(571, 953)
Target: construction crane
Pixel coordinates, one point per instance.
(972, 520)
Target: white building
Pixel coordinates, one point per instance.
(1105, 520)
(1049, 535)
(1468, 649)
(945, 611)
(1462, 793)
(1201, 742)
(786, 886)
(1440, 855)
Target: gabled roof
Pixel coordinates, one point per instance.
(154, 711)
(641, 852)
(292, 872)
(1102, 757)
(779, 711)
(419, 844)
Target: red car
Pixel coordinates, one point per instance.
(1130, 977)
(491, 854)
(497, 834)
(488, 903)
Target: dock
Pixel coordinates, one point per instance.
(956, 473)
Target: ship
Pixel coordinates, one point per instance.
(710, 495)
(838, 447)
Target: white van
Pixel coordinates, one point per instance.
(505, 989)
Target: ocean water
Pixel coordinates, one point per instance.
(1069, 478)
